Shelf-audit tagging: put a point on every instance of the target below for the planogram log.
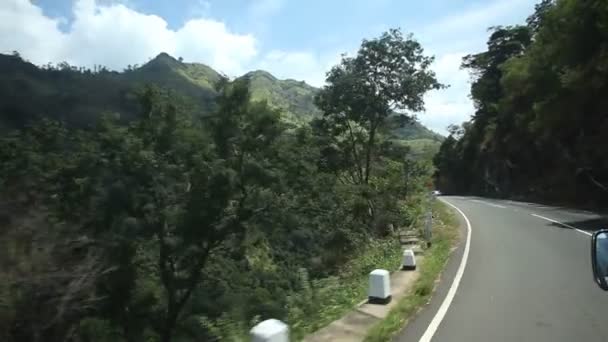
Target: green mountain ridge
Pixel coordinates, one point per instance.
(296, 98)
(79, 95)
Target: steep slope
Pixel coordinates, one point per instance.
(76, 96)
(191, 79)
(79, 96)
(168, 71)
(416, 130)
(296, 98)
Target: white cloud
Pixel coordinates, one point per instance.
(451, 105)
(447, 68)
(24, 28)
(115, 35)
(447, 37)
(210, 41)
(478, 18)
(442, 111)
(299, 65)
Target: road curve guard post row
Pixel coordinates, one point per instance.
(379, 287)
(270, 330)
(409, 260)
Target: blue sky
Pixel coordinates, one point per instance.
(290, 38)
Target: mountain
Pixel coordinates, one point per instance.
(27, 91)
(79, 95)
(416, 130)
(192, 79)
(296, 98)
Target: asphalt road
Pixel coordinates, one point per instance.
(526, 278)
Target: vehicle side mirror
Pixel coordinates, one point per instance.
(599, 258)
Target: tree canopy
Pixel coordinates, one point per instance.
(539, 91)
(176, 226)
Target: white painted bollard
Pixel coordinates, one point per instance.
(379, 287)
(270, 330)
(409, 260)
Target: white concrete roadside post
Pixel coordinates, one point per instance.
(409, 260)
(379, 287)
(270, 330)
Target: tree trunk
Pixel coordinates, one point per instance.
(170, 321)
(353, 147)
(368, 157)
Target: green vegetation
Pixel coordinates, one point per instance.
(296, 99)
(445, 236)
(540, 94)
(328, 299)
(415, 131)
(174, 222)
(423, 149)
(79, 96)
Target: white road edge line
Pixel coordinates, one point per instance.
(563, 224)
(445, 305)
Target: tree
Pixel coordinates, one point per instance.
(535, 21)
(173, 224)
(161, 183)
(50, 270)
(388, 73)
(187, 190)
(537, 129)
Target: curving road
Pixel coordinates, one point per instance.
(527, 277)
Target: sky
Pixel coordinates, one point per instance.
(298, 39)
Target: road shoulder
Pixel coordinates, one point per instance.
(419, 322)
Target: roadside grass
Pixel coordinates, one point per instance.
(321, 301)
(445, 237)
(325, 300)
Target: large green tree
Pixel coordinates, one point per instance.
(389, 73)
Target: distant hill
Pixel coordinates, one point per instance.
(79, 95)
(295, 97)
(416, 130)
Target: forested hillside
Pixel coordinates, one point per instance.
(191, 223)
(79, 96)
(541, 95)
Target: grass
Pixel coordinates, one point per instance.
(322, 301)
(445, 236)
(329, 299)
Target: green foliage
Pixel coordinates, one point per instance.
(411, 130)
(295, 99)
(79, 96)
(322, 301)
(538, 129)
(181, 225)
(423, 149)
(389, 73)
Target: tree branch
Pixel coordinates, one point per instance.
(369, 147)
(354, 151)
